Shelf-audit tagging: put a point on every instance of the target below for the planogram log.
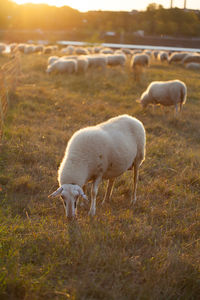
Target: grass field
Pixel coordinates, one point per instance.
(149, 251)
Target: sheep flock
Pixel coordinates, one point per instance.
(108, 149)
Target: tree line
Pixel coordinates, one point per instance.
(155, 20)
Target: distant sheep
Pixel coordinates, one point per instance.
(141, 60)
(191, 58)
(193, 66)
(165, 93)
(82, 64)
(116, 59)
(162, 56)
(68, 50)
(138, 63)
(177, 57)
(81, 51)
(97, 61)
(104, 151)
(63, 66)
(106, 51)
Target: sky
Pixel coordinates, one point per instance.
(123, 5)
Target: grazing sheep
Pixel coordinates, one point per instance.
(106, 51)
(104, 151)
(21, 47)
(97, 61)
(63, 66)
(138, 63)
(162, 56)
(126, 51)
(68, 50)
(52, 59)
(177, 57)
(82, 64)
(81, 51)
(191, 58)
(29, 49)
(116, 59)
(193, 66)
(39, 48)
(166, 93)
(141, 60)
(47, 50)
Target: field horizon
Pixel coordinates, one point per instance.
(146, 251)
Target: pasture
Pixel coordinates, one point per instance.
(149, 251)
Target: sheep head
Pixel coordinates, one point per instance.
(69, 194)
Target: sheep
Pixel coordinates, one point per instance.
(68, 50)
(96, 61)
(138, 63)
(126, 51)
(116, 59)
(177, 57)
(52, 59)
(162, 56)
(81, 51)
(39, 48)
(141, 60)
(106, 51)
(21, 47)
(63, 66)
(191, 58)
(29, 49)
(47, 50)
(193, 66)
(94, 153)
(166, 93)
(82, 64)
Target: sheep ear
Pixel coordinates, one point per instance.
(138, 101)
(56, 193)
(81, 193)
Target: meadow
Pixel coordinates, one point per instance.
(148, 251)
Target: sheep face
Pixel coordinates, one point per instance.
(69, 194)
(144, 100)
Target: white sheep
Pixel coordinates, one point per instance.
(68, 50)
(63, 66)
(104, 151)
(106, 51)
(81, 51)
(138, 63)
(177, 57)
(141, 60)
(191, 58)
(97, 61)
(193, 66)
(162, 56)
(166, 93)
(52, 59)
(82, 64)
(116, 59)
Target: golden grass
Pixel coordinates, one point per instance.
(149, 251)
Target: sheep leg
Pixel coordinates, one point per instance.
(176, 109)
(136, 174)
(181, 106)
(109, 190)
(94, 191)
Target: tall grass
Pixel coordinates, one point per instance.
(149, 251)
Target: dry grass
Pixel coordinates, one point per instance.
(150, 251)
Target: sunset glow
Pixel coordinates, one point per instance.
(126, 5)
